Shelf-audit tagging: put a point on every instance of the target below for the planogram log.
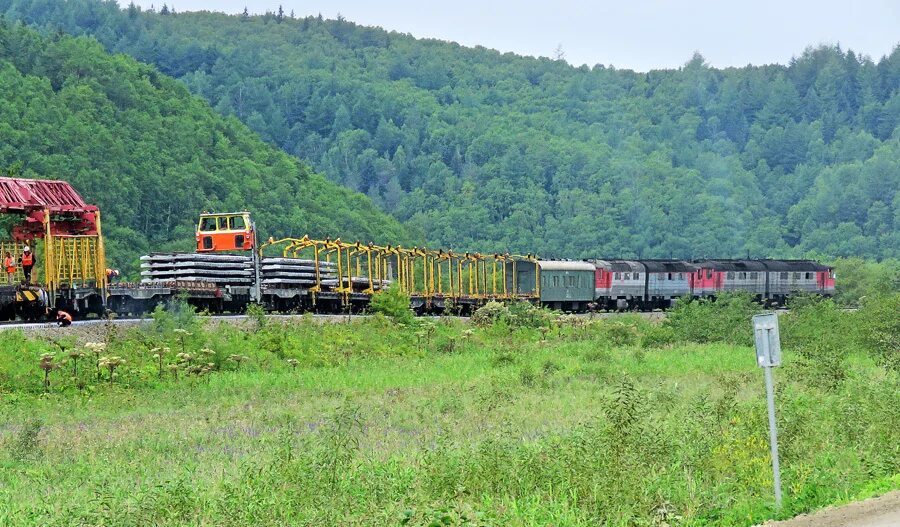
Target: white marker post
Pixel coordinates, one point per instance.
(768, 355)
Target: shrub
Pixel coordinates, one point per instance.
(178, 314)
(257, 314)
(392, 302)
(489, 313)
(879, 329)
(725, 319)
(621, 334)
(858, 279)
(658, 336)
(813, 319)
(822, 335)
(823, 364)
(515, 314)
(526, 314)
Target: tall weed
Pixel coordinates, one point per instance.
(879, 329)
(725, 319)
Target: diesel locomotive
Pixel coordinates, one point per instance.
(646, 285)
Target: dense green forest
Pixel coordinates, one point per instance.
(479, 149)
(150, 154)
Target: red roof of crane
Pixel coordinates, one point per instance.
(18, 194)
(36, 199)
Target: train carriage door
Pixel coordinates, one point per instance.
(238, 226)
(205, 232)
(646, 277)
(822, 280)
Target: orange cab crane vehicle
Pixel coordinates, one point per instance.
(227, 232)
(233, 231)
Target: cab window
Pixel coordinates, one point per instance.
(208, 224)
(222, 224)
(236, 223)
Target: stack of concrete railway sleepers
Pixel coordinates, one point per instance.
(233, 270)
(292, 273)
(221, 269)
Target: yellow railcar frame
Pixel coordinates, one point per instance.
(417, 271)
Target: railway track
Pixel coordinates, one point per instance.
(134, 321)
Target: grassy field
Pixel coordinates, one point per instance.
(519, 422)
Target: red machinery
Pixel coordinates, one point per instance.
(73, 259)
(49, 207)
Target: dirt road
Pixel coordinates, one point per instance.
(883, 511)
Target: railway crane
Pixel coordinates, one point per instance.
(71, 255)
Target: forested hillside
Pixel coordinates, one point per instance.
(150, 154)
(479, 149)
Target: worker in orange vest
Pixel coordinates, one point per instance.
(27, 261)
(63, 319)
(10, 266)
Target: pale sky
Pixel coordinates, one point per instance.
(634, 34)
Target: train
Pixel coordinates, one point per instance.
(231, 269)
(646, 285)
(331, 276)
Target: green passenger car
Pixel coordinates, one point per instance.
(564, 285)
